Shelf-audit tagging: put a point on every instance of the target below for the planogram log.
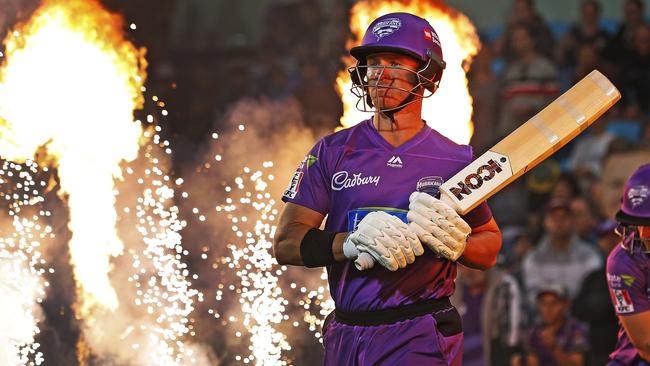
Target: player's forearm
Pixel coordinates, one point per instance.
(482, 247)
(286, 246)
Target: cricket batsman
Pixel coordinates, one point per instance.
(628, 273)
(376, 182)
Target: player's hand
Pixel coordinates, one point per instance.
(437, 225)
(387, 239)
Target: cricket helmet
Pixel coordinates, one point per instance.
(405, 34)
(635, 205)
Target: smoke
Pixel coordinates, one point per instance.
(152, 324)
(257, 310)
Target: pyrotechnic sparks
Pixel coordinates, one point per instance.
(163, 292)
(262, 306)
(21, 266)
(449, 110)
(71, 59)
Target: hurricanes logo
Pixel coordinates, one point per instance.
(637, 195)
(475, 180)
(386, 27)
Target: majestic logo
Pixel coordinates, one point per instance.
(637, 195)
(474, 181)
(430, 185)
(294, 185)
(341, 180)
(394, 162)
(386, 27)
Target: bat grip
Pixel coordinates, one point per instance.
(364, 261)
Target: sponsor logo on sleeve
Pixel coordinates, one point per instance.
(614, 281)
(294, 185)
(342, 180)
(310, 160)
(628, 280)
(623, 302)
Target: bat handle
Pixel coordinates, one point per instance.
(364, 261)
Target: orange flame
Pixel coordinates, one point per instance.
(449, 110)
(70, 82)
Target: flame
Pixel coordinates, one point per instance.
(69, 83)
(449, 110)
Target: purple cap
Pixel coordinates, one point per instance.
(406, 34)
(635, 206)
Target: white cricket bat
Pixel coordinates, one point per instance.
(550, 129)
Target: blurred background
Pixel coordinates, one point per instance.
(270, 67)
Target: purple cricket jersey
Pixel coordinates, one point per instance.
(571, 337)
(355, 171)
(628, 278)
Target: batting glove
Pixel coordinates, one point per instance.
(387, 239)
(437, 225)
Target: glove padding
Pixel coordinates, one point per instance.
(387, 239)
(437, 225)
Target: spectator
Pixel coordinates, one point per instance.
(490, 304)
(565, 188)
(620, 162)
(593, 305)
(560, 257)
(586, 33)
(559, 339)
(623, 41)
(530, 81)
(485, 89)
(635, 73)
(524, 12)
(585, 218)
(586, 158)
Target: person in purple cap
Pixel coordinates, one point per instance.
(628, 273)
(370, 181)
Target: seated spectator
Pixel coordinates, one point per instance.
(635, 73)
(566, 187)
(620, 162)
(524, 12)
(530, 81)
(560, 256)
(592, 305)
(586, 157)
(558, 339)
(586, 33)
(490, 304)
(623, 40)
(585, 218)
(485, 89)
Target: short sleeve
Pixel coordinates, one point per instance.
(627, 283)
(480, 215)
(309, 185)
